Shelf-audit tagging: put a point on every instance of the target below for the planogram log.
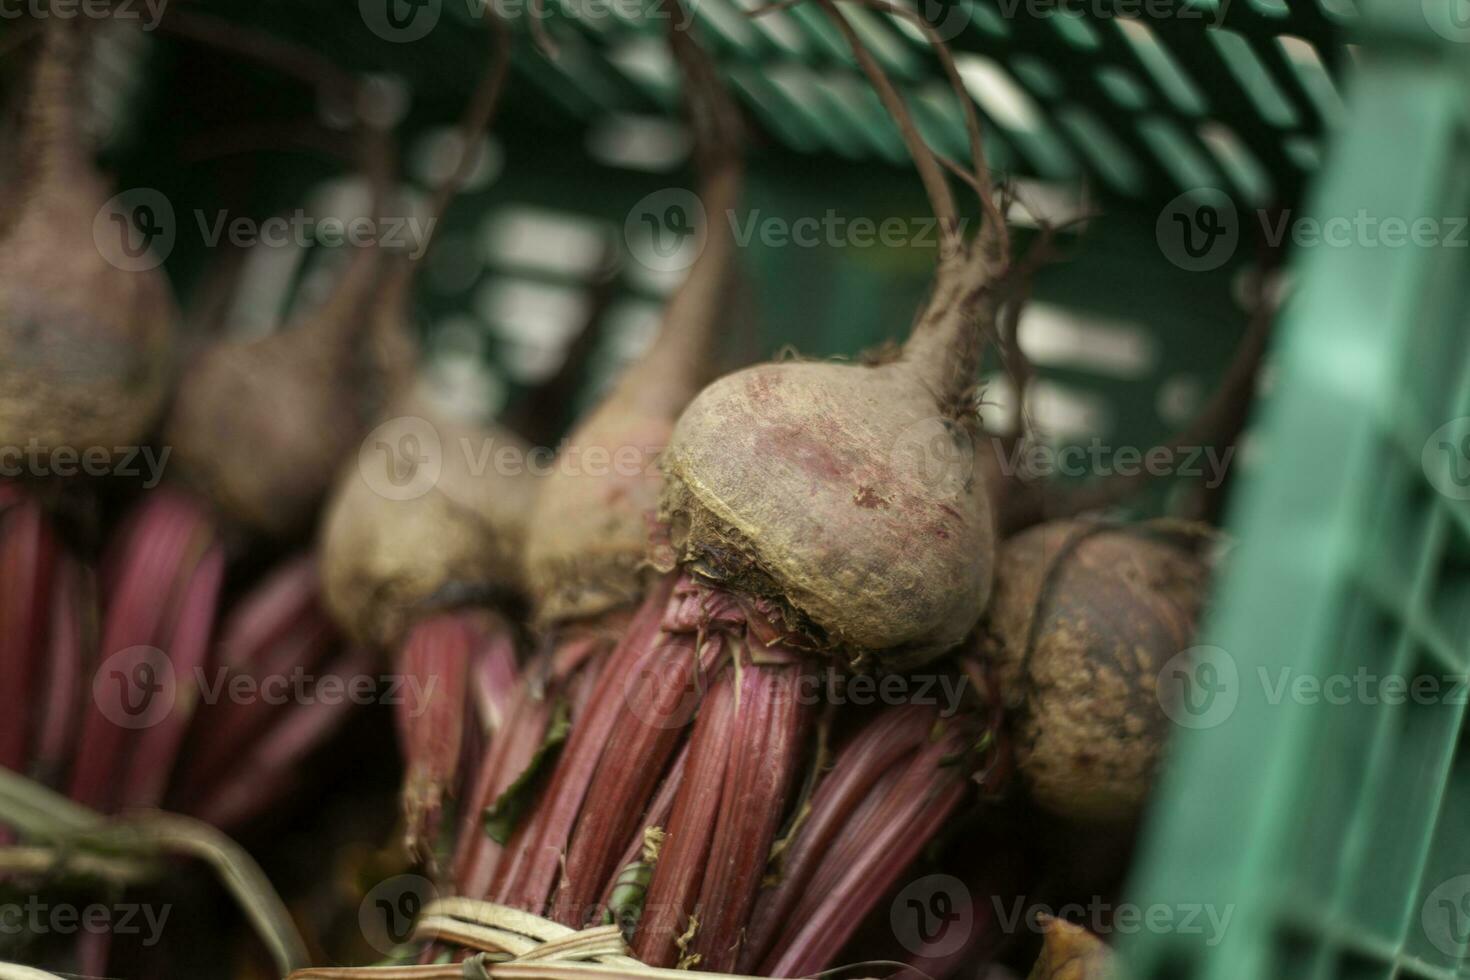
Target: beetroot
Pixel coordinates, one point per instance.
(1085, 616)
(788, 502)
(731, 641)
(788, 481)
(586, 546)
(386, 561)
(86, 328)
(261, 426)
(422, 537)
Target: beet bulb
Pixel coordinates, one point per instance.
(798, 482)
(260, 427)
(86, 327)
(1085, 616)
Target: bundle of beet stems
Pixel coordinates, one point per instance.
(109, 658)
(693, 769)
(429, 575)
(586, 557)
(152, 599)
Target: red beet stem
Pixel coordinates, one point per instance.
(222, 727)
(915, 807)
(437, 656)
(493, 678)
(73, 631)
(273, 764)
(540, 842)
(511, 750)
(649, 728)
(153, 557)
(876, 749)
(681, 863)
(27, 557)
(766, 751)
(187, 646)
(270, 611)
(53, 149)
(659, 813)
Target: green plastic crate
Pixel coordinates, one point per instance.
(1336, 832)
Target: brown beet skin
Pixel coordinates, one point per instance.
(386, 562)
(801, 481)
(1084, 618)
(85, 344)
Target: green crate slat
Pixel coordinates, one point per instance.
(1340, 811)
